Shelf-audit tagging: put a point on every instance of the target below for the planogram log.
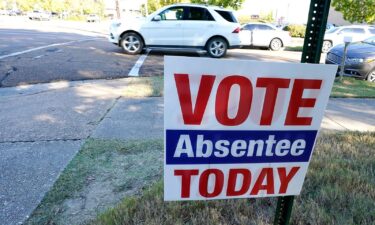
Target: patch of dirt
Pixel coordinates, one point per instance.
(114, 178)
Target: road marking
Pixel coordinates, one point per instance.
(37, 57)
(134, 72)
(45, 46)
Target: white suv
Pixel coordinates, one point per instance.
(180, 26)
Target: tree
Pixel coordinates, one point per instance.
(266, 17)
(154, 5)
(356, 10)
(26, 5)
(235, 4)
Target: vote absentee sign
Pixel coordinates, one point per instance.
(240, 129)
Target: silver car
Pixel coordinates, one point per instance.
(336, 35)
(264, 35)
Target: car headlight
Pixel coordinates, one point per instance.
(354, 60)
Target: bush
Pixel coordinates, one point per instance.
(296, 30)
(76, 18)
(243, 19)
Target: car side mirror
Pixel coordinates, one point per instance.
(157, 18)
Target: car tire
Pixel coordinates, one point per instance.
(276, 44)
(327, 45)
(132, 43)
(371, 76)
(216, 47)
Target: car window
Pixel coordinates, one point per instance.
(197, 13)
(372, 30)
(345, 31)
(227, 15)
(175, 13)
(263, 27)
(358, 30)
(352, 30)
(332, 30)
(249, 27)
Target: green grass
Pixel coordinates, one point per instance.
(145, 87)
(339, 189)
(294, 48)
(118, 168)
(353, 88)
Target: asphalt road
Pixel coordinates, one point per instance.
(41, 52)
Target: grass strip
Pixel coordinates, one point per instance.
(339, 189)
(353, 88)
(118, 168)
(294, 48)
(144, 87)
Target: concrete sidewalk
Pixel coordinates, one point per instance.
(42, 128)
(45, 125)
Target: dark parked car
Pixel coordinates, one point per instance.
(360, 59)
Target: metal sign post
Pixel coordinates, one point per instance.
(347, 41)
(316, 26)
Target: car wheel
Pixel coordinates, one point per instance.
(327, 45)
(276, 44)
(132, 43)
(371, 76)
(217, 47)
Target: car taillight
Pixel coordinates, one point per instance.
(237, 30)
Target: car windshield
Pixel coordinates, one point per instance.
(370, 40)
(332, 30)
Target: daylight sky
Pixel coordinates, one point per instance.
(295, 11)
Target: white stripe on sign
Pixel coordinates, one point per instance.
(43, 47)
(134, 72)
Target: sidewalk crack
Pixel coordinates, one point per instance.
(46, 140)
(328, 117)
(105, 114)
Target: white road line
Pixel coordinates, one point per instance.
(37, 57)
(45, 46)
(134, 72)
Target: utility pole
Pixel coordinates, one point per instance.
(118, 13)
(347, 41)
(312, 48)
(146, 7)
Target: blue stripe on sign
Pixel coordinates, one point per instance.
(226, 147)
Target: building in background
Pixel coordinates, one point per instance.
(337, 18)
(128, 8)
(283, 11)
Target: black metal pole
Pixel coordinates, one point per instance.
(312, 46)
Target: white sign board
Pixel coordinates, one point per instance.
(240, 129)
